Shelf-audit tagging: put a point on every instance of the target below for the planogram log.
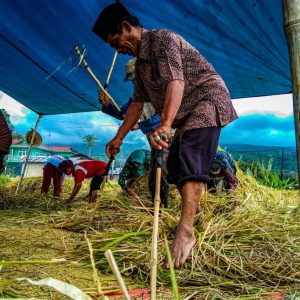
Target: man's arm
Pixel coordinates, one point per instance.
(133, 114)
(75, 191)
(172, 103)
(110, 109)
(149, 124)
(113, 112)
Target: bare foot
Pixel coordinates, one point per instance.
(182, 245)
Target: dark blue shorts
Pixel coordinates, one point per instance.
(190, 156)
(96, 183)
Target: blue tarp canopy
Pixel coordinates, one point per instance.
(244, 40)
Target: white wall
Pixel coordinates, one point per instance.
(33, 169)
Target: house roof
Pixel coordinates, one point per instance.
(19, 143)
(41, 159)
(58, 148)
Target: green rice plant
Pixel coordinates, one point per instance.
(172, 272)
(4, 180)
(264, 174)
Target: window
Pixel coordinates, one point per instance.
(22, 152)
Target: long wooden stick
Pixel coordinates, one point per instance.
(153, 275)
(111, 69)
(111, 260)
(85, 64)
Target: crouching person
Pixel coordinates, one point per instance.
(94, 169)
(136, 165)
(222, 174)
(54, 169)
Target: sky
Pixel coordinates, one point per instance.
(264, 121)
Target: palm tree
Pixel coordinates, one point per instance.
(90, 141)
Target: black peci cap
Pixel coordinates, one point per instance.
(108, 19)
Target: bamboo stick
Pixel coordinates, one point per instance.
(111, 69)
(153, 275)
(85, 64)
(95, 272)
(111, 260)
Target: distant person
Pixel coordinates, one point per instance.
(94, 169)
(136, 165)
(55, 168)
(222, 173)
(5, 137)
(149, 121)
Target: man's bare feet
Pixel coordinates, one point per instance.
(182, 245)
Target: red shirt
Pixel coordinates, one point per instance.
(88, 169)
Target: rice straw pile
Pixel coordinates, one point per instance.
(247, 245)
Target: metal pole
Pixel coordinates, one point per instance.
(27, 154)
(291, 13)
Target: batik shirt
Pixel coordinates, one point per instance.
(164, 56)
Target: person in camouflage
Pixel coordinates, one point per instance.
(136, 165)
(222, 174)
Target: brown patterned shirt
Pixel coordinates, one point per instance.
(165, 56)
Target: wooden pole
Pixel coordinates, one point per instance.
(291, 13)
(111, 260)
(153, 274)
(85, 64)
(28, 154)
(111, 69)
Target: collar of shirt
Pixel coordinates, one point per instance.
(143, 52)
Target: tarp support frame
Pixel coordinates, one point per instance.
(291, 12)
(28, 153)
